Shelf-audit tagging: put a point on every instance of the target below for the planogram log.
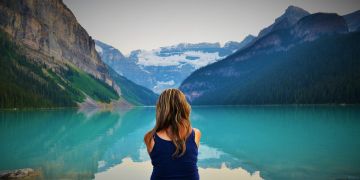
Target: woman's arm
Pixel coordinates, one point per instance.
(149, 141)
(150, 146)
(197, 136)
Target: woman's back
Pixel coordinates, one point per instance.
(176, 159)
(166, 166)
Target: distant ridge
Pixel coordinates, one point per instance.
(166, 67)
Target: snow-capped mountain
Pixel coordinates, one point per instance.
(166, 67)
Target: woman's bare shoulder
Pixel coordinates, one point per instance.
(197, 136)
(197, 131)
(149, 141)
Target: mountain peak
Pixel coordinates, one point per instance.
(249, 37)
(291, 16)
(294, 9)
(104, 49)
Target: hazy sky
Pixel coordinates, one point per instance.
(148, 24)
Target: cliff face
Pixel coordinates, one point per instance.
(49, 28)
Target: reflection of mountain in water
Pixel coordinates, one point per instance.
(71, 144)
(275, 141)
(135, 149)
(129, 169)
(285, 141)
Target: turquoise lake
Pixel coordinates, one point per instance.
(238, 142)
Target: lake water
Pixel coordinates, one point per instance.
(242, 142)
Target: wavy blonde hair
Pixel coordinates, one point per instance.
(172, 111)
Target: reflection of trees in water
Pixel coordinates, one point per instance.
(63, 143)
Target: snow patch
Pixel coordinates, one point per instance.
(170, 83)
(98, 49)
(150, 58)
(161, 85)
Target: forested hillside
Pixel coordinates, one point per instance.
(326, 70)
(24, 83)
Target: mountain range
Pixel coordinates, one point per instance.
(49, 60)
(166, 67)
(301, 58)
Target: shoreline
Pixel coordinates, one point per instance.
(198, 106)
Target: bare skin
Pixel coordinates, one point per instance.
(165, 134)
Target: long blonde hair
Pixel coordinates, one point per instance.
(172, 111)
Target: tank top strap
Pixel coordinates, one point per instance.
(192, 134)
(156, 137)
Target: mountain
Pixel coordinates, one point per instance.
(316, 60)
(49, 28)
(353, 21)
(49, 60)
(108, 53)
(317, 25)
(306, 29)
(292, 15)
(234, 46)
(166, 67)
(133, 93)
(124, 66)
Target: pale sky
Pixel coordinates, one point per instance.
(148, 24)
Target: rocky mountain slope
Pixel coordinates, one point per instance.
(50, 28)
(44, 44)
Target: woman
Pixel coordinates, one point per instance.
(173, 144)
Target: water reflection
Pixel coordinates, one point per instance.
(142, 170)
(238, 142)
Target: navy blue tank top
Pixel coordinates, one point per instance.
(167, 167)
